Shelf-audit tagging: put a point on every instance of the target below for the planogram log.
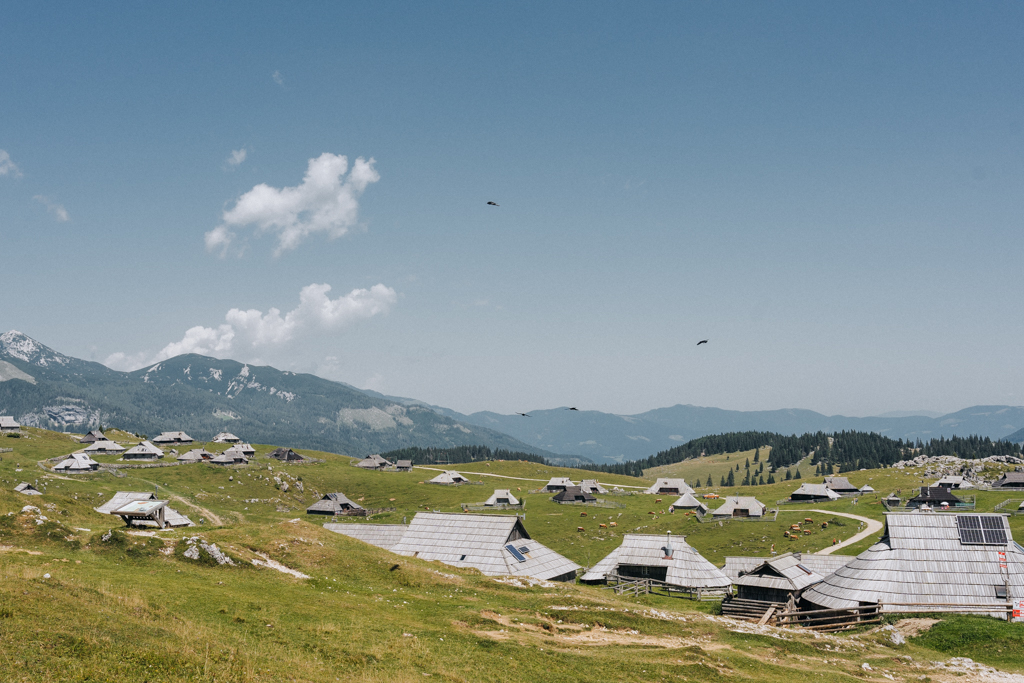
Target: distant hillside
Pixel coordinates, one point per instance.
(604, 437)
(203, 396)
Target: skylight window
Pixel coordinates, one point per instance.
(981, 530)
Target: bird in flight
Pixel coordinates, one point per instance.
(573, 408)
(492, 204)
(702, 341)
(523, 414)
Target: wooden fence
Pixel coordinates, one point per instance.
(831, 620)
(625, 585)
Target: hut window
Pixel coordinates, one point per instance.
(463, 557)
(1001, 592)
(514, 552)
(981, 530)
(808, 571)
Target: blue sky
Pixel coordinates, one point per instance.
(830, 193)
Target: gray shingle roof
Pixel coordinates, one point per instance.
(172, 437)
(8, 422)
(28, 489)
(920, 559)
(784, 572)
(1010, 478)
(104, 447)
(76, 462)
(122, 498)
(143, 450)
(226, 437)
(503, 494)
(558, 483)
(687, 501)
(195, 455)
(840, 484)
(665, 485)
(755, 507)
(816, 491)
(820, 564)
(449, 477)
(333, 502)
(381, 535)
(686, 567)
(574, 494)
(592, 486)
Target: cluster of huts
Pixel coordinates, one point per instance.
(377, 462)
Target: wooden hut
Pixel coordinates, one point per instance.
(840, 485)
(934, 497)
(558, 484)
(8, 425)
(501, 497)
(574, 494)
(76, 463)
(104, 446)
(229, 457)
(662, 558)
(676, 487)
(449, 478)
(334, 504)
(173, 437)
(958, 562)
(196, 455)
(28, 489)
(285, 455)
(1009, 480)
(374, 462)
(687, 501)
(226, 437)
(740, 506)
(143, 451)
(592, 486)
(953, 482)
(814, 493)
(404, 465)
(92, 437)
(776, 581)
(737, 565)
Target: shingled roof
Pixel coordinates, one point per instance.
(574, 494)
(687, 501)
(592, 486)
(820, 564)
(502, 497)
(122, 498)
(449, 477)
(783, 572)
(685, 567)
(840, 485)
(676, 486)
(144, 450)
(381, 535)
(104, 446)
(76, 462)
(814, 491)
(933, 558)
(332, 503)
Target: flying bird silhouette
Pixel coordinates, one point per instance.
(492, 204)
(574, 408)
(523, 414)
(702, 341)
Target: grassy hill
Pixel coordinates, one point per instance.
(133, 608)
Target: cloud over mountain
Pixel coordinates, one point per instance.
(250, 331)
(327, 201)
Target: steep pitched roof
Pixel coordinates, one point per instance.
(104, 447)
(172, 437)
(558, 483)
(840, 484)
(196, 455)
(480, 541)
(76, 462)
(922, 558)
(1010, 478)
(92, 437)
(8, 422)
(285, 454)
(333, 502)
(504, 494)
(820, 564)
(816, 490)
(783, 572)
(122, 498)
(685, 567)
(226, 437)
(449, 477)
(934, 494)
(687, 501)
(756, 507)
(592, 486)
(573, 493)
(28, 489)
(665, 485)
(144, 450)
(381, 535)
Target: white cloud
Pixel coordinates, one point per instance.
(278, 78)
(8, 167)
(58, 211)
(237, 156)
(326, 201)
(248, 332)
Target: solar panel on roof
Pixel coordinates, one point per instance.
(978, 530)
(515, 552)
(523, 549)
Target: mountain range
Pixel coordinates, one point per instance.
(42, 387)
(203, 396)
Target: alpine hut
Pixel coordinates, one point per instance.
(373, 462)
(776, 581)
(867, 488)
(239, 450)
(592, 486)
(814, 493)
(841, 485)
(226, 437)
(449, 478)
(953, 482)
(229, 457)
(497, 545)
(143, 507)
(1009, 480)
(196, 455)
(143, 451)
(660, 557)
(285, 455)
(501, 497)
(670, 486)
(8, 425)
(173, 437)
(75, 463)
(404, 465)
(92, 437)
(687, 501)
(28, 489)
(735, 566)
(962, 563)
(740, 506)
(104, 446)
(334, 504)
(558, 484)
(934, 496)
(574, 494)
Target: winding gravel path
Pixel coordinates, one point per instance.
(873, 527)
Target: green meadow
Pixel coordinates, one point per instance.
(128, 607)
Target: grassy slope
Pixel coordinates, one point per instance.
(128, 612)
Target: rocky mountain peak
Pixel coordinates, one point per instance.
(23, 347)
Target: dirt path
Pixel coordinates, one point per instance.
(217, 521)
(505, 476)
(873, 527)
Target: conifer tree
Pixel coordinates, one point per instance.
(748, 463)
(797, 475)
(789, 475)
(771, 478)
(757, 454)
(731, 481)
(709, 484)
(746, 479)
(760, 481)
(723, 478)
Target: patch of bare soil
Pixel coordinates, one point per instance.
(12, 549)
(913, 627)
(577, 634)
(217, 521)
